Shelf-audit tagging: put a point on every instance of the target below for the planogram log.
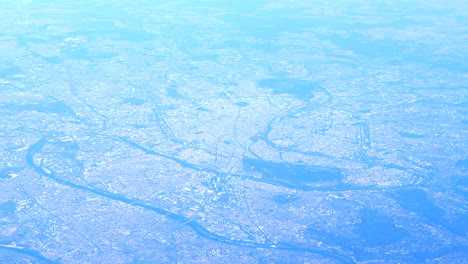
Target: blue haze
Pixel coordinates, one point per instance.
(233, 132)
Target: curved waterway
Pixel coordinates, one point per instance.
(25, 253)
(195, 226)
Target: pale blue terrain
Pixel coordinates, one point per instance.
(233, 132)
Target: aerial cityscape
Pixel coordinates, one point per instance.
(233, 132)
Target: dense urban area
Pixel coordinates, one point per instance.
(185, 132)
